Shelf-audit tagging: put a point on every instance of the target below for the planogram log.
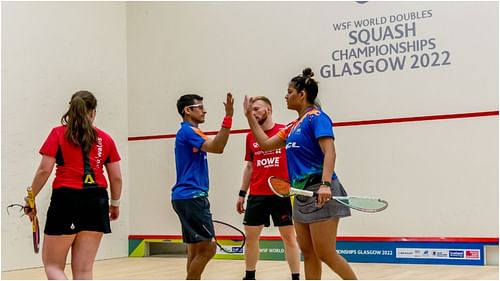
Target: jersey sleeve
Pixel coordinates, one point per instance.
(50, 145)
(285, 131)
(322, 126)
(113, 155)
(195, 137)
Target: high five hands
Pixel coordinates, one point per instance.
(229, 105)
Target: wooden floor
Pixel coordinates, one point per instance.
(174, 268)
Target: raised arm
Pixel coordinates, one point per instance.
(218, 143)
(265, 142)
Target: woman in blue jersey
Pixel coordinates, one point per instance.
(310, 150)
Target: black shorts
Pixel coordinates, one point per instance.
(260, 207)
(196, 219)
(74, 210)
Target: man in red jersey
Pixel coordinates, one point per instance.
(262, 202)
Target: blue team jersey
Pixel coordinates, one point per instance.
(191, 163)
(303, 152)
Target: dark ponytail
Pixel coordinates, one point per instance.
(80, 130)
(307, 83)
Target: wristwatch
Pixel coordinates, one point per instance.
(327, 183)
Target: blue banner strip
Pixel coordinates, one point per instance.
(413, 252)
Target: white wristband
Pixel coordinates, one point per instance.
(114, 203)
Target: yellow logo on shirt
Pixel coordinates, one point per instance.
(89, 179)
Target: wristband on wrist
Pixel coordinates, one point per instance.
(242, 193)
(114, 203)
(227, 122)
(327, 183)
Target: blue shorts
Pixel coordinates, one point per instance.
(196, 219)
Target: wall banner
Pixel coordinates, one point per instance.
(392, 42)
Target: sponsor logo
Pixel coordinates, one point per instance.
(270, 152)
(268, 162)
(236, 250)
(292, 145)
(231, 249)
(404, 253)
(441, 253)
(89, 179)
(98, 158)
(412, 253)
(454, 254)
(420, 253)
(472, 254)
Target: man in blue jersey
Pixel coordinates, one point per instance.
(190, 192)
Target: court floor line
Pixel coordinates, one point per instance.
(173, 268)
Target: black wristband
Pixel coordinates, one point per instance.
(242, 193)
(327, 183)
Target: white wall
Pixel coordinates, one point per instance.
(49, 51)
(440, 177)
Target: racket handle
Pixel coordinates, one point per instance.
(31, 197)
(307, 193)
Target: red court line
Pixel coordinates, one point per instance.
(418, 118)
(354, 238)
(354, 123)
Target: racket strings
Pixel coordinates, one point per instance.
(371, 205)
(18, 209)
(234, 239)
(280, 186)
(227, 232)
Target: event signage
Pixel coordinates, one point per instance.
(394, 42)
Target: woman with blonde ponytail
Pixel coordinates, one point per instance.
(80, 210)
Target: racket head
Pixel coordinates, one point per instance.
(228, 232)
(36, 234)
(279, 186)
(16, 208)
(363, 204)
